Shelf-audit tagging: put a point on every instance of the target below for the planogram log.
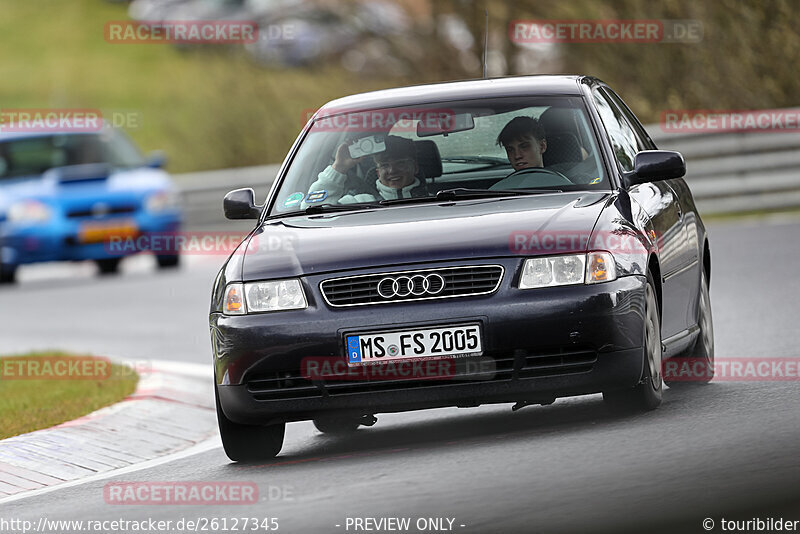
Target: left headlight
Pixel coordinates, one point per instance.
(162, 201)
(29, 211)
(257, 297)
(591, 268)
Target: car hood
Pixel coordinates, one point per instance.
(408, 234)
(122, 183)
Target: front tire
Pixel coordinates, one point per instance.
(8, 274)
(647, 394)
(249, 443)
(108, 266)
(168, 262)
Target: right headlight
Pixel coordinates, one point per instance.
(162, 201)
(267, 296)
(29, 211)
(550, 271)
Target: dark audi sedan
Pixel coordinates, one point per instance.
(496, 241)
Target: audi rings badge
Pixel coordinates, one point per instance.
(418, 285)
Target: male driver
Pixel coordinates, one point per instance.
(396, 167)
(524, 141)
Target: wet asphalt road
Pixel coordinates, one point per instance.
(727, 449)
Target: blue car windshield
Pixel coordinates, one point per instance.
(501, 144)
(32, 156)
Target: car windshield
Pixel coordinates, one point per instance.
(444, 150)
(32, 156)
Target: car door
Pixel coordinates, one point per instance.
(660, 202)
(688, 273)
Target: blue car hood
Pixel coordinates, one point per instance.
(120, 184)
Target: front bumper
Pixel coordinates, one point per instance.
(59, 239)
(546, 343)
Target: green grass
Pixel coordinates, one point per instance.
(28, 403)
(208, 108)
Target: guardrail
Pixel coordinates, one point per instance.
(202, 194)
(727, 172)
(734, 172)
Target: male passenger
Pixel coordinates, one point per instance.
(524, 141)
(396, 176)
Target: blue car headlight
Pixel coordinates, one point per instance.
(162, 201)
(29, 211)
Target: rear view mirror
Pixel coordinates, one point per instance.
(241, 204)
(443, 122)
(655, 165)
(156, 159)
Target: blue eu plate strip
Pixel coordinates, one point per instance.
(353, 349)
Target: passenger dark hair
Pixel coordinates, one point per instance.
(397, 147)
(519, 128)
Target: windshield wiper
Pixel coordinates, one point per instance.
(464, 193)
(321, 208)
(326, 208)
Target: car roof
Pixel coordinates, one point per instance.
(462, 90)
(11, 135)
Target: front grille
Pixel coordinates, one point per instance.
(91, 212)
(292, 385)
(384, 288)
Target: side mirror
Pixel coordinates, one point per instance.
(156, 159)
(241, 204)
(655, 165)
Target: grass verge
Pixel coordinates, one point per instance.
(42, 389)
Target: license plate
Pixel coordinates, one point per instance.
(427, 343)
(95, 232)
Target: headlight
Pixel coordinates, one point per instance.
(234, 300)
(161, 201)
(255, 297)
(568, 270)
(29, 211)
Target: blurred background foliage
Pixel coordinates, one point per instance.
(216, 106)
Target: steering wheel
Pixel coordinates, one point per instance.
(517, 179)
(529, 170)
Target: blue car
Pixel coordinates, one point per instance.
(67, 196)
